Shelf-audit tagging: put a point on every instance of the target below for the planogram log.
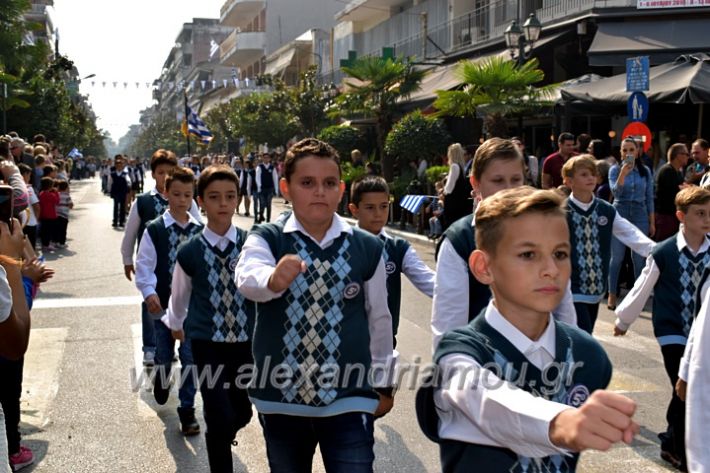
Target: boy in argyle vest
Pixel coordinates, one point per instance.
(592, 224)
(322, 323)
(369, 204)
(206, 308)
(149, 206)
(516, 390)
(673, 273)
(155, 261)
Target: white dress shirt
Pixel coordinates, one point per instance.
(634, 302)
(257, 263)
(133, 224)
(476, 406)
(5, 297)
(697, 407)
(147, 258)
(274, 176)
(181, 287)
(450, 306)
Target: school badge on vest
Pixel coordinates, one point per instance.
(390, 267)
(351, 290)
(577, 395)
(233, 265)
(602, 220)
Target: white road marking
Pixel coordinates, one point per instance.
(66, 302)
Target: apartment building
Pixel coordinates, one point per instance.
(40, 13)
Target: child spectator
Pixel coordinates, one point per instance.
(497, 165)
(219, 329)
(63, 207)
(320, 288)
(155, 261)
(48, 200)
(592, 224)
(436, 208)
(30, 228)
(149, 206)
(370, 204)
(673, 273)
(517, 390)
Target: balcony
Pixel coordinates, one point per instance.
(366, 10)
(239, 13)
(242, 48)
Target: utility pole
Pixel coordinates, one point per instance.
(425, 33)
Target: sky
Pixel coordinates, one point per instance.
(122, 41)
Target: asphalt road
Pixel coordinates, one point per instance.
(84, 408)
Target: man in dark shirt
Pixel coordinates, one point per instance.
(669, 180)
(552, 166)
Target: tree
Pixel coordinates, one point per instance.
(162, 132)
(382, 82)
(494, 88)
(417, 137)
(344, 139)
(265, 118)
(310, 102)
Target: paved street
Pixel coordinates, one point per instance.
(81, 412)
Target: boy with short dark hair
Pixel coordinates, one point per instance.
(592, 225)
(206, 308)
(497, 165)
(119, 184)
(155, 262)
(149, 206)
(323, 321)
(267, 179)
(673, 272)
(369, 204)
(517, 390)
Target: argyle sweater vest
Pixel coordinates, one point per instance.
(217, 312)
(149, 207)
(393, 255)
(317, 332)
(581, 366)
(590, 237)
(462, 236)
(675, 291)
(166, 242)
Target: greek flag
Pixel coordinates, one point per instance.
(413, 203)
(74, 153)
(197, 128)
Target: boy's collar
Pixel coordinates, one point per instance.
(337, 226)
(213, 238)
(169, 219)
(681, 242)
(382, 233)
(517, 338)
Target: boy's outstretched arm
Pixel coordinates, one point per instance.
(417, 271)
(632, 305)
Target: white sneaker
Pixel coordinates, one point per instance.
(148, 358)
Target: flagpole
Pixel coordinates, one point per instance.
(187, 126)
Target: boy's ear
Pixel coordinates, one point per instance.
(283, 188)
(566, 180)
(353, 209)
(479, 263)
(680, 216)
(200, 202)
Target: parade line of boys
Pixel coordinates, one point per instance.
(315, 303)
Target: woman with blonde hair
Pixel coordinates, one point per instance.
(457, 192)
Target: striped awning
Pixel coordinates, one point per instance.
(413, 203)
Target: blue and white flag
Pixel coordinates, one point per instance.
(74, 153)
(197, 128)
(413, 203)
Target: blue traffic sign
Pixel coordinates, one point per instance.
(637, 74)
(637, 107)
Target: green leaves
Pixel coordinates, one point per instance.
(417, 137)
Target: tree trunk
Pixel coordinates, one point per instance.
(386, 161)
(496, 126)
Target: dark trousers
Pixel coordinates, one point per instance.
(10, 393)
(31, 234)
(227, 408)
(61, 230)
(586, 315)
(265, 197)
(675, 415)
(148, 331)
(346, 442)
(119, 210)
(46, 230)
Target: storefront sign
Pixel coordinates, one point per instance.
(672, 3)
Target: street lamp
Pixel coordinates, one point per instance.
(516, 39)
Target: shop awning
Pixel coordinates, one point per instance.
(662, 41)
(280, 63)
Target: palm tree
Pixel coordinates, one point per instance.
(382, 82)
(494, 89)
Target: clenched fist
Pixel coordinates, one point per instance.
(287, 269)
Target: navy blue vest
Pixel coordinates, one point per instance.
(267, 177)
